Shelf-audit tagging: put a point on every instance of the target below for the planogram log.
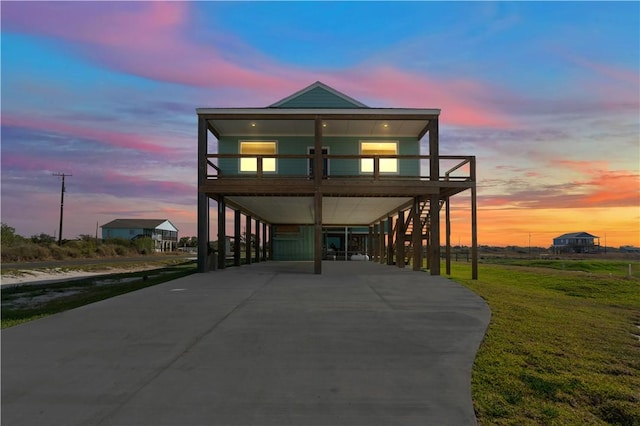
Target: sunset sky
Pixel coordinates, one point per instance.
(546, 95)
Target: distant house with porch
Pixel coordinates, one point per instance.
(161, 231)
(576, 242)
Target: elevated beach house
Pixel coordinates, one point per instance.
(319, 175)
(161, 231)
(576, 242)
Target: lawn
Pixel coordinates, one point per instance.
(562, 346)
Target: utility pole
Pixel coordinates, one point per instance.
(61, 204)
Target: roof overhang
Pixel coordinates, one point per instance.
(359, 122)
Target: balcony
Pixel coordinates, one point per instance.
(343, 175)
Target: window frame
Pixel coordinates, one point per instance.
(275, 160)
(385, 141)
(310, 160)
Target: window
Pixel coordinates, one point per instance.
(325, 161)
(257, 148)
(387, 165)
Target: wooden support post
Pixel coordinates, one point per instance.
(203, 232)
(434, 200)
(434, 152)
(247, 241)
(428, 240)
(382, 242)
(474, 222)
(203, 199)
(264, 241)
(370, 243)
(416, 236)
(271, 242)
(317, 210)
(400, 230)
(376, 242)
(434, 212)
(222, 233)
(257, 241)
(237, 217)
(448, 235)
(346, 243)
(317, 153)
(317, 251)
(390, 241)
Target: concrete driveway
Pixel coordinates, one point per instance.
(265, 344)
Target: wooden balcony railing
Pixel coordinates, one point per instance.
(458, 168)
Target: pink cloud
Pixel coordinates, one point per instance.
(585, 167)
(613, 188)
(33, 163)
(117, 139)
(459, 99)
(141, 186)
(610, 71)
(601, 189)
(150, 39)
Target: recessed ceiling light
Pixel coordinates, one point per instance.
(253, 124)
(385, 125)
(324, 124)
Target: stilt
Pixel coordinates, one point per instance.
(416, 237)
(247, 241)
(237, 216)
(222, 237)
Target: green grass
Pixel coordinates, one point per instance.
(86, 291)
(598, 266)
(560, 348)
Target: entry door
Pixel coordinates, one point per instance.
(325, 161)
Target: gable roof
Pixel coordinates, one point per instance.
(318, 95)
(136, 224)
(577, 235)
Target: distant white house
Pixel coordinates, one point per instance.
(576, 242)
(161, 231)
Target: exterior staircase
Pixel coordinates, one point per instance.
(424, 224)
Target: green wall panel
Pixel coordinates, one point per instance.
(336, 145)
(294, 246)
(318, 98)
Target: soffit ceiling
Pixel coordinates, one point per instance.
(377, 122)
(359, 128)
(335, 210)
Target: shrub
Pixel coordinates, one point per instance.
(8, 235)
(144, 245)
(105, 250)
(43, 238)
(43, 247)
(57, 252)
(25, 252)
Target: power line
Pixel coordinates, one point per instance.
(62, 191)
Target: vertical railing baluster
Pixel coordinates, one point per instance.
(376, 167)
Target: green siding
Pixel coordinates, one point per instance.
(294, 246)
(318, 98)
(336, 145)
(121, 233)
